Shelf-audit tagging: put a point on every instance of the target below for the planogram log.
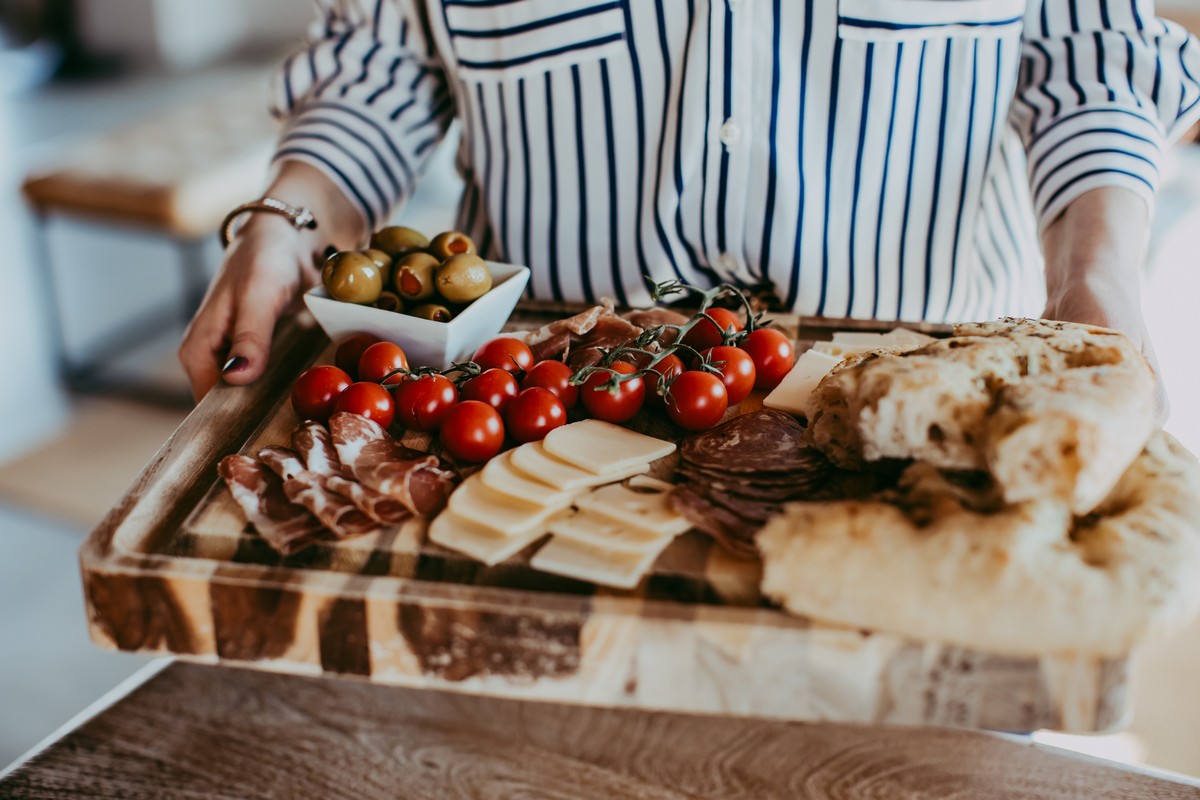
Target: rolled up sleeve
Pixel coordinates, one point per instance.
(365, 101)
(1105, 87)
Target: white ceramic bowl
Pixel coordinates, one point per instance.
(425, 342)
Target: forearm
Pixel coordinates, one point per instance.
(1098, 242)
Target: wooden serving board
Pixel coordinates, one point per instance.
(173, 568)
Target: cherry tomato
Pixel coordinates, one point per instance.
(773, 356)
(315, 392)
(737, 371)
(350, 351)
(422, 403)
(697, 400)
(496, 387)
(369, 400)
(617, 406)
(669, 367)
(555, 376)
(506, 353)
(534, 413)
(380, 359)
(707, 333)
(472, 431)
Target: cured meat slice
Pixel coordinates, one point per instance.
(762, 441)
(312, 441)
(381, 463)
(306, 488)
(732, 532)
(285, 526)
(314, 444)
(378, 506)
(609, 331)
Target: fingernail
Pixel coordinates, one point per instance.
(235, 364)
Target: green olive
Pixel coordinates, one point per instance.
(431, 311)
(450, 243)
(352, 278)
(463, 278)
(383, 261)
(413, 278)
(397, 240)
(389, 301)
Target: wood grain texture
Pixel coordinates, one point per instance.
(174, 570)
(193, 731)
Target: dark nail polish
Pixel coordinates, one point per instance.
(235, 364)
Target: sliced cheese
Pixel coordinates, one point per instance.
(532, 460)
(859, 339)
(606, 534)
(497, 512)
(910, 340)
(501, 476)
(480, 543)
(792, 392)
(843, 349)
(574, 560)
(646, 511)
(602, 447)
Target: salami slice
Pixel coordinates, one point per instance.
(732, 532)
(760, 442)
(286, 527)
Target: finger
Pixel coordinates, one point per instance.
(203, 348)
(250, 341)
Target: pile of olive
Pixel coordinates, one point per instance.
(403, 271)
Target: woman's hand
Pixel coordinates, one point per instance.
(268, 265)
(1094, 255)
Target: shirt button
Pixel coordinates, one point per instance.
(730, 133)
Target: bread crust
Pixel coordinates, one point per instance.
(940, 560)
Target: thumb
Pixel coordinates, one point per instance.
(250, 345)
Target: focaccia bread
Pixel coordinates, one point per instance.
(944, 559)
(1051, 409)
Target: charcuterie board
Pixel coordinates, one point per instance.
(173, 569)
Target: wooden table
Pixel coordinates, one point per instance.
(198, 731)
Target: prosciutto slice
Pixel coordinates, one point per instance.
(306, 488)
(381, 463)
(314, 444)
(286, 527)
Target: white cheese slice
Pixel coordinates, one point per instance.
(497, 512)
(646, 511)
(859, 339)
(909, 340)
(452, 531)
(499, 475)
(792, 392)
(843, 349)
(606, 534)
(602, 447)
(533, 460)
(574, 560)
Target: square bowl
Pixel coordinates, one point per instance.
(425, 342)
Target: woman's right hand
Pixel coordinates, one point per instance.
(268, 265)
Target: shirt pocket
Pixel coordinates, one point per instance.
(494, 39)
(902, 20)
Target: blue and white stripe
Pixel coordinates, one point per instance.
(866, 158)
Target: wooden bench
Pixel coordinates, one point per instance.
(174, 175)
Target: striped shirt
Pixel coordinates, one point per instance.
(865, 158)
